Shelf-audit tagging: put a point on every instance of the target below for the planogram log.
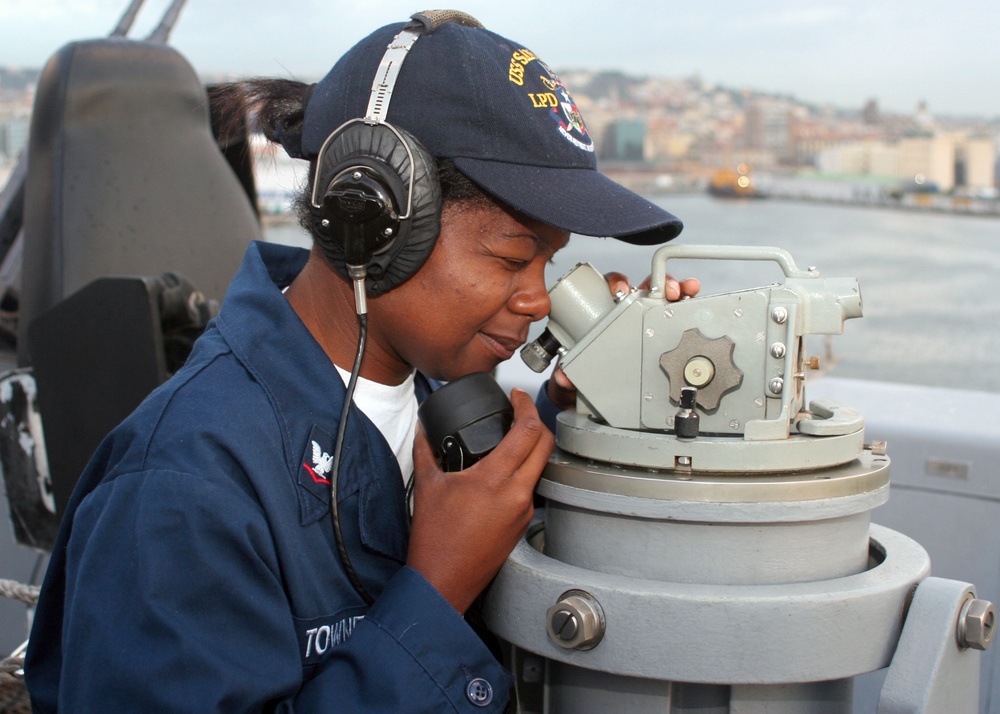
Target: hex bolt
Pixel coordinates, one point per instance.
(576, 622)
(976, 624)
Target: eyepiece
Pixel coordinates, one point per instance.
(539, 354)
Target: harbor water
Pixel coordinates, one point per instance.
(930, 282)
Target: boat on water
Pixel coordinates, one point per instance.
(155, 249)
(734, 183)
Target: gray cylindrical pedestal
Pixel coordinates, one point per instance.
(745, 529)
(572, 690)
(726, 593)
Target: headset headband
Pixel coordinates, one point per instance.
(383, 84)
(378, 105)
(388, 71)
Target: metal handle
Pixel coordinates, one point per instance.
(722, 252)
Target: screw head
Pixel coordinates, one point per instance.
(776, 385)
(779, 315)
(564, 624)
(976, 624)
(699, 371)
(878, 448)
(576, 622)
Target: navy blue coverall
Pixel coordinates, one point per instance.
(196, 570)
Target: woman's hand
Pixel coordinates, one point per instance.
(675, 289)
(466, 523)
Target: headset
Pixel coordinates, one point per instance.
(375, 186)
(379, 213)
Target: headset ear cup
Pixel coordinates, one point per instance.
(388, 157)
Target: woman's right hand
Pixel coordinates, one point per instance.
(466, 523)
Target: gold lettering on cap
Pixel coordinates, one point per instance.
(544, 99)
(518, 61)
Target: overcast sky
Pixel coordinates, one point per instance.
(945, 52)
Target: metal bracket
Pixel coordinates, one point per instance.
(830, 419)
(930, 670)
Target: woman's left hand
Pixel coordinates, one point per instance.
(675, 289)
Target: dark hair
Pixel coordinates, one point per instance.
(276, 108)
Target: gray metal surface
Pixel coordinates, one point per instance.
(945, 450)
(930, 672)
(577, 433)
(669, 491)
(763, 634)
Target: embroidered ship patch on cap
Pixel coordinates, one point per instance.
(552, 97)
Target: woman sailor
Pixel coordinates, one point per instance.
(200, 566)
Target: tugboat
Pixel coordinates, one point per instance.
(727, 183)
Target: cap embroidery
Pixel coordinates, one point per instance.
(571, 124)
(557, 100)
(518, 61)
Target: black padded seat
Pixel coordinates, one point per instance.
(125, 177)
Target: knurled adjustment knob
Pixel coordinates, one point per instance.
(686, 420)
(703, 363)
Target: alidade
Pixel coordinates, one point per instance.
(742, 352)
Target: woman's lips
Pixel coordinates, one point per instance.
(502, 347)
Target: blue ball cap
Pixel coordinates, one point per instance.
(502, 116)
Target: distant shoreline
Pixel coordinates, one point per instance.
(820, 190)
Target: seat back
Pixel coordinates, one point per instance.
(125, 177)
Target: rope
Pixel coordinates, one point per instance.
(28, 594)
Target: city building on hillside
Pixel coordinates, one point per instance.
(978, 158)
(624, 140)
(940, 162)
